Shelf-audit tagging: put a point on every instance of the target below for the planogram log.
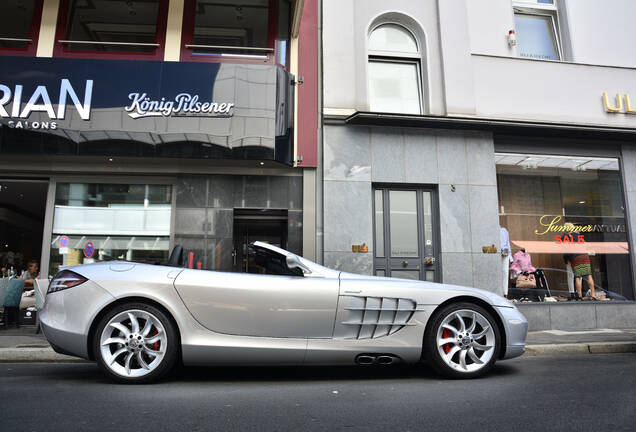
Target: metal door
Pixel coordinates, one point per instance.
(406, 233)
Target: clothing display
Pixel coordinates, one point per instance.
(568, 269)
(506, 257)
(522, 262)
(581, 265)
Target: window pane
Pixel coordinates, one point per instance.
(393, 87)
(381, 273)
(428, 223)
(564, 217)
(16, 17)
(391, 37)
(379, 224)
(535, 37)
(406, 274)
(403, 225)
(112, 21)
(108, 248)
(224, 24)
(123, 221)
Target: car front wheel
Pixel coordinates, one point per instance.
(135, 343)
(463, 341)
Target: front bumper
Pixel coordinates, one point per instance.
(516, 327)
(67, 316)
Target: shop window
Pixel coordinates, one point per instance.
(565, 218)
(20, 26)
(118, 29)
(104, 222)
(537, 30)
(257, 31)
(394, 71)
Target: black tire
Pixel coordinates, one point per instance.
(170, 357)
(433, 356)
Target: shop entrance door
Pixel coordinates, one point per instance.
(406, 233)
(22, 210)
(269, 226)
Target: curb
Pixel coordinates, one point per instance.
(33, 355)
(581, 348)
(47, 355)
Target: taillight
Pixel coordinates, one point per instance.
(65, 279)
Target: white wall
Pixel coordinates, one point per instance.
(345, 31)
(489, 22)
(472, 69)
(602, 32)
(550, 91)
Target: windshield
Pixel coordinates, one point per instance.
(265, 261)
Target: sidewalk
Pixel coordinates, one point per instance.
(598, 341)
(23, 345)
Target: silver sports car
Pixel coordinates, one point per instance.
(138, 320)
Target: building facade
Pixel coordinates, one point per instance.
(452, 127)
(128, 127)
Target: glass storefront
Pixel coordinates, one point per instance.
(565, 220)
(104, 222)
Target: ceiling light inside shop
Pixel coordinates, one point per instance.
(261, 163)
(550, 161)
(581, 202)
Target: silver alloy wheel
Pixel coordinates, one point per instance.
(133, 343)
(465, 340)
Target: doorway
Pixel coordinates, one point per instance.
(22, 210)
(269, 226)
(406, 233)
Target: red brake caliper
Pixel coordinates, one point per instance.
(155, 346)
(446, 334)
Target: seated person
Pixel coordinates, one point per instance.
(29, 275)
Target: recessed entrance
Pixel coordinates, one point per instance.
(22, 209)
(269, 226)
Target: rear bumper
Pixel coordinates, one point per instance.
(67, 316)
(516, 327)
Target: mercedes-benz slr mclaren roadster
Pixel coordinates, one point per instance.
(138, 320)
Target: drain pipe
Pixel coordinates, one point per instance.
(320, 238)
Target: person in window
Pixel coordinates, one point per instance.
(29, 275)
(582, 268)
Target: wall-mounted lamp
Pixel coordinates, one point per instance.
(512, 38)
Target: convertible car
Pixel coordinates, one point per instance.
(139, 320)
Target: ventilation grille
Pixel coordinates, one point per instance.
(374, 317)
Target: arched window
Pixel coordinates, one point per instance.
(394, 71)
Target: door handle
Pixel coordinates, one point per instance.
(405, 263)
(429, 260)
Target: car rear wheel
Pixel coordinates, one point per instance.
(463, 341)
(135, 343)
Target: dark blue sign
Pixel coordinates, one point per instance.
(137, 108)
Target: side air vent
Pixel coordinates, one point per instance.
(374, 317)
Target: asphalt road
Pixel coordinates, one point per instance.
(578, 393)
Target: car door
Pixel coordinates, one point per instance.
(265, 305)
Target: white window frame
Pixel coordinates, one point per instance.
(534, 8)
(397, 57)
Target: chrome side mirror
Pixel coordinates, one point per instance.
(293, 262)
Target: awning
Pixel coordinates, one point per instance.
(591, 248)
(495, 125)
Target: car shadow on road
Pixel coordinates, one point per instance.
(90, 373)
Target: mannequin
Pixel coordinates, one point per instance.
(506, 258)
(522, 262)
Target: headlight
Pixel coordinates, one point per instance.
(65, 279)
